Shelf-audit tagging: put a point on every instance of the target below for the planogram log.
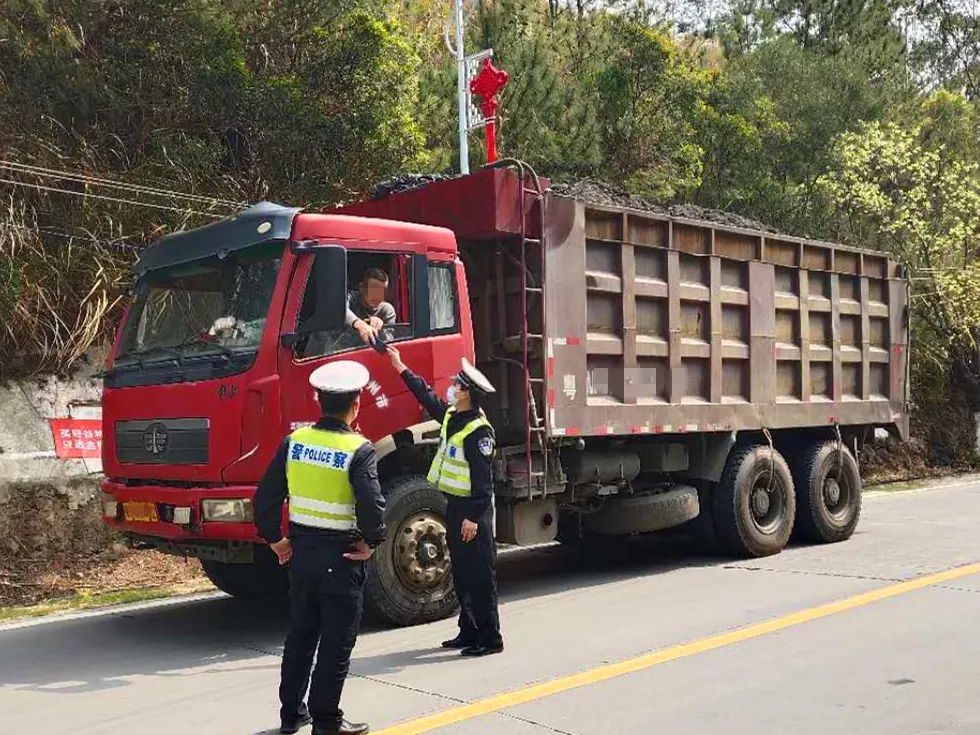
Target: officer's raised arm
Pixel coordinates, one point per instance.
(432, 403)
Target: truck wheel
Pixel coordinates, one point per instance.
(703, 527)
(570, 529)
(829, 502)
(644, 513)
(754, 504)
(410, 577)
(591, 547)
(262, 578)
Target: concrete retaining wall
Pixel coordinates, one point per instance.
(48, 506)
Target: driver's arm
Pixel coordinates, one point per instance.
(386, 312)
(351, 316)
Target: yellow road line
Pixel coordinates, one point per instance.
(629, 666)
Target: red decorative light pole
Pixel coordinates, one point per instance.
(487, 85)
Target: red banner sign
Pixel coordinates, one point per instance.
(77, 438)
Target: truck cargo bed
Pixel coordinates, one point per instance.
(656, 324)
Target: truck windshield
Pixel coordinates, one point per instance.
(214, 305)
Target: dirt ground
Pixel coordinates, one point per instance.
(27, 582)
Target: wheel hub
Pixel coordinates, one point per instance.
(767, 503)
(428, 552)
(421, 552)
(831, 492)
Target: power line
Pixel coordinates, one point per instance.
(100, 181)
(87, 237)
(41, 187)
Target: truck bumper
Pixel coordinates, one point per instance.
(158, 512)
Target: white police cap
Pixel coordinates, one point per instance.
(474, 379)
(343, 376)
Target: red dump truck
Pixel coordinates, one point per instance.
(652, 372)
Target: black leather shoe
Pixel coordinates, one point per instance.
(458, 642)
(302, 720)
(345, 728)
(482, 649)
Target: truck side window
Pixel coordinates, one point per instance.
(396, 296)
(443, 304)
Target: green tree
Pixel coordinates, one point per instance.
(650, 97)
(773, 116)
(912, 193)
(304, 101)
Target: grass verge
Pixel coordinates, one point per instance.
(88, 600)
(928, 482)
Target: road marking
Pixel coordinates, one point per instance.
(603, 673)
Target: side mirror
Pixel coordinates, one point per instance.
(329, 274)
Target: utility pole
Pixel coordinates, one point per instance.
(464, 148)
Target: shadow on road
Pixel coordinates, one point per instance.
(223, 634)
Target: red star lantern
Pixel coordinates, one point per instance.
(487, 85)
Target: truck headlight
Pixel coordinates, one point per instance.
(237, 510)
(110, 506)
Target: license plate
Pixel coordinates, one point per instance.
(142, 512)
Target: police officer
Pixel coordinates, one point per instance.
(330, 475)
(462, 469)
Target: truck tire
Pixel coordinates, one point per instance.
(754, 504)
(569, 529)
(828, 504)
(644, 513)
(410, 575)
(262, 578)
(702, 528)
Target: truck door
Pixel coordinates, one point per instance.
(386, 406)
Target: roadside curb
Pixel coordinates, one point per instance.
(107, 610)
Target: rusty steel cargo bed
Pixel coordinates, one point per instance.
(660, 325)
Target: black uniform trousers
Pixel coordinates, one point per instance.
(326, 595)
(474, 576)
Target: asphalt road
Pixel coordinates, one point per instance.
(820, 639)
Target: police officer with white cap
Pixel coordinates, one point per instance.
(330, 475)
(463, 470)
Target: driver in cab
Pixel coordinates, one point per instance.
(367, 310)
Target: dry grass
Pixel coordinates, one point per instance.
(57, 294)
(118, 569)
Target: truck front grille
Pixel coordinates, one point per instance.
(162, 441)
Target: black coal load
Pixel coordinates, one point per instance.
(588, 190)
(405, 182)
(598, 192)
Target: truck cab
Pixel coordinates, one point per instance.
(211, 365)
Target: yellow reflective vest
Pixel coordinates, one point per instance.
(450, 472)
(317, 474)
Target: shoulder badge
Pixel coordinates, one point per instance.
(486, 446)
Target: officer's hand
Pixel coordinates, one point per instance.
(366, 332)
(360, 551)
(396, 359)
(469, 530)
(283, 549)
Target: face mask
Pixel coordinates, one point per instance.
(451, 395)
